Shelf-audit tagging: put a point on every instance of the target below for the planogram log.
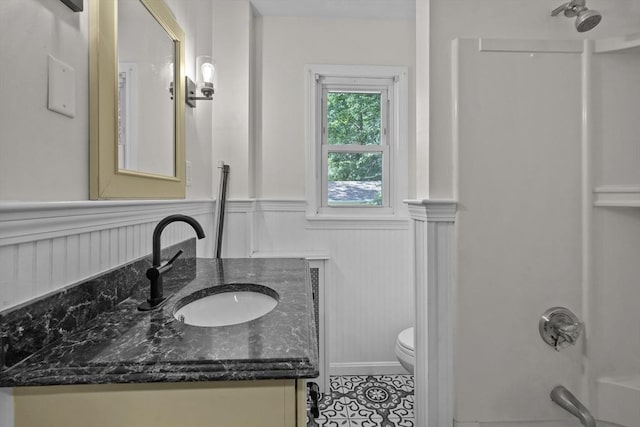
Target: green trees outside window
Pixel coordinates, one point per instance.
(354, 119)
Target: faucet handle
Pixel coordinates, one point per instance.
(161, 269)
(569, 331)
(559, 327)
(169, 264)
(175, 257)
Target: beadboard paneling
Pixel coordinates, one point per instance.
(371, 294)
(369, 288)
(433, 263)
(62, 244)
(236, 236)
(368, 279)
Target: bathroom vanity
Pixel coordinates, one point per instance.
(260, 403)
(130, 367)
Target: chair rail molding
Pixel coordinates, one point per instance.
(433, 264)
(29, 221)
(46, 246)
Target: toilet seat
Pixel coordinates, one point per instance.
(405, 341)
(405, 349)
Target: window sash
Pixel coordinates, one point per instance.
(396, 79)
(384, 150)
(384, 109)
(350, 85)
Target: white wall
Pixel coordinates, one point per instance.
(617, 155)
(517, 19)
(263, 58)
(517, 176)
(368, 289)
(232, 109)
(513, 247)
(519, 241)
(194, 16)
(44, 156)
(44, 247)
(614, 348)
(368, 282)
(370, 266)
(287, 44)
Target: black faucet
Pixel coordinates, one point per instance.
(154, 274)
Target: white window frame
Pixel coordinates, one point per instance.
(394, 144)
(385, 88)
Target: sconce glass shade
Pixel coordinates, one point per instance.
(205, 75)
(170, 72)
(170, 76)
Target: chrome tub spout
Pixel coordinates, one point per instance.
(567, 401)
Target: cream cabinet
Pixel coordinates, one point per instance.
(263, 403)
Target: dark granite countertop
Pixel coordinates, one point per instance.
(124, 345)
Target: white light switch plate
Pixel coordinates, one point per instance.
(188, 173)
(62, 92)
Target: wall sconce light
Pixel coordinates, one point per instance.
(205, 76)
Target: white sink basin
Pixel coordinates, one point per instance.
(226, 305)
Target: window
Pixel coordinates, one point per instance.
(355, 149)
(357, 140)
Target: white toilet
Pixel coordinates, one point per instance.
(405, 349)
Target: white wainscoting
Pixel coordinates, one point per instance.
(432, 229)
(368, 278)
(47, 246)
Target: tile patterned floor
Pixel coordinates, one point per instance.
(367, 401)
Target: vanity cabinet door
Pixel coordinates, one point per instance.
(265, 403)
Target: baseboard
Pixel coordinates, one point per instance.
(367, 368)
(569, 422)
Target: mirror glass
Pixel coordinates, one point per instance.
(146, 125)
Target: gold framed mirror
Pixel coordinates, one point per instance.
(136, 97)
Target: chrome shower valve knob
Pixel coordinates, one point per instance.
(559, 327)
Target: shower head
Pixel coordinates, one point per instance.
(586, 19)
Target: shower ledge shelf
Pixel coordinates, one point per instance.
(618, 400)
(617, 196)
(618, 44)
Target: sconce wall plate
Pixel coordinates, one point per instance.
(191, 92)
